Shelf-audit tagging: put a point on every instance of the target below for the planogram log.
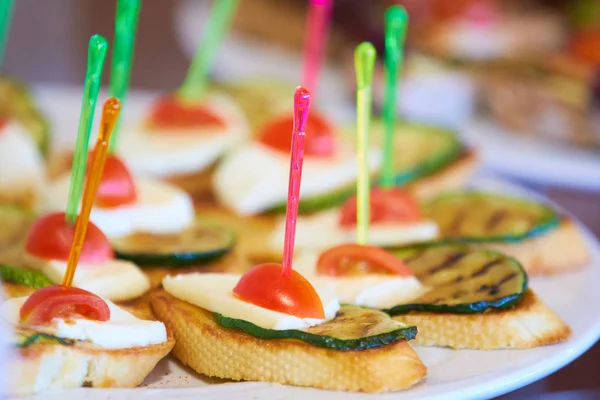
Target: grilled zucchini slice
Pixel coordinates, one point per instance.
(476, 217)
(23, 276)
(353, 328)
(203, 242)
(319, 203)
(462, 281)
(14, 225)
(419, 150)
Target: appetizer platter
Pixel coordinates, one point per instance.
(121, 285)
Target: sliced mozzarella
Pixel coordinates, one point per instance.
(177, 151)
(122, 330)
(21, 164)
(161, 208)
(214, 292)
(116, 280)
(321, 231)
(375, 290)
(254, 178)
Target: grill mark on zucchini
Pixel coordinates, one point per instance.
(448, 263)
(495, 219)
(485, 268)
(457, 222)
(462, 281)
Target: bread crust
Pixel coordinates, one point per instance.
(560, 250)
(215, 351)
(529, 324)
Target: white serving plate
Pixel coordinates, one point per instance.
(463, 374)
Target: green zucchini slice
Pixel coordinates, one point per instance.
(203, 242)
(353, 328)
(17, 102)
(477, 217)
(462, 281)
(419, 150)
(319, 203)
(23, 276)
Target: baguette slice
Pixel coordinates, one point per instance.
(46, 366)
(529, 324)
(562, 249)
(231, 354)
(40, 367)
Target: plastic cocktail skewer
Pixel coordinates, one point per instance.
(364, 63)
(317, 28)
(6, 10)
(396, 21)
(96, 55)
(301, 106)
(126, 21)
(110, 114)
(218, 25)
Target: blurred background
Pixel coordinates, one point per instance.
(517, 78)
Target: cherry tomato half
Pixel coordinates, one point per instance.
(169, 112)
(116, 185)
(51, 237)
(386, 205)
(320, 141)
(265, 287)
(357, 260)
(63, 302)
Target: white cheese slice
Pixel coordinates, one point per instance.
(322, 230)
(122, 330)
(254, 178)
(116, 280)
(374, 290)
(161, 208)
(214, 292)
(175, 151)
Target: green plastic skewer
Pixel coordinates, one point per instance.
(218, 25)
(6, 10)
(126, 21)
(396, 21)
(364, 63)
(96, 56)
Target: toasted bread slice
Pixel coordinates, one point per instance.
(529, 324)
(451, 177)
(40, 367)
(43, 366)
(227, 353)
(562, 249)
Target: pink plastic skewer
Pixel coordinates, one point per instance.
(317, 27)
(301, 106)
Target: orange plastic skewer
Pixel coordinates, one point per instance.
(110, 114)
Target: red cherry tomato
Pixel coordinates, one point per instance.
(320, 141)
(356, 260)
(386, 205)
(57, 302)
(51, 237)
(116, 185)
(3, 123)
(265, 287)
(169, 112)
